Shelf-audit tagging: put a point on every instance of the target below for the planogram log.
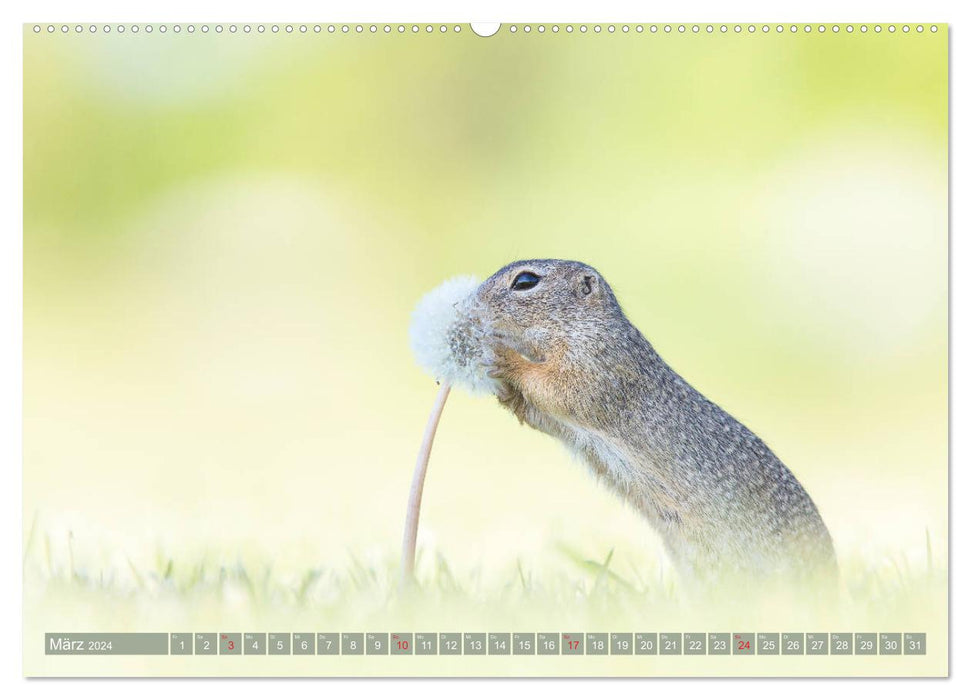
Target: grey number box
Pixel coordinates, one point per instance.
(254, 643)
(303, 643)
(328, 643)
(450, 643)
(694, 643)
(793, 643)
(768, 643)
(915, 643)
(426, 643)
(719, 643)
(645, 643)
(524, 643)
(743, 643)
(571, 643)
(474, 643)
(841, 643)
(547, 643)
(180, 643)
(352, 643)
(376, 643)
(230, 643)
(817, 643)
(865, 643)
(205, 643)
(621, 643)
(278, 643)
(499, 643)
(597, 643)
(669, 643)
(890, 643)
(401, 643)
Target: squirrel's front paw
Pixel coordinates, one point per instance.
(512, 399)
(506, 365)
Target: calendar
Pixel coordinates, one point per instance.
(601, 349)
(488, 644)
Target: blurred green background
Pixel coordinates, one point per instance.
(224, 236)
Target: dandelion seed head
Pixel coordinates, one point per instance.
(446, 335)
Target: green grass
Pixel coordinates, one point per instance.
(585, 588)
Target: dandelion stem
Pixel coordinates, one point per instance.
(417, 484)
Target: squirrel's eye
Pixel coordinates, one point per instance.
(524, 281)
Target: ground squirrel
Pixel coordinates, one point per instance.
(566, 361)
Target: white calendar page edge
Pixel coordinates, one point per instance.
(11, 317)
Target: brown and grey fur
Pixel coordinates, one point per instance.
(567, 362)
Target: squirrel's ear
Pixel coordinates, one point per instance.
(588, 284)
